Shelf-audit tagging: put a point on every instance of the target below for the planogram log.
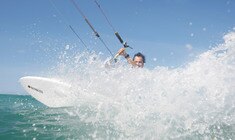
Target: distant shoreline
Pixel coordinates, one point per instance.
(20, 94)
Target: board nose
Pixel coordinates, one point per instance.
(23, 79)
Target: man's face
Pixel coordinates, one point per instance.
(139, 61)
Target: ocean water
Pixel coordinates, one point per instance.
(196, 101)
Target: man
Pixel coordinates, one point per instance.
(137, 61)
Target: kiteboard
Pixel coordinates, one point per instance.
(51, 92)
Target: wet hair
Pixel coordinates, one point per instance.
(139, 55)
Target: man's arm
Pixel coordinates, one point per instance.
(129, 60)
(127, 56)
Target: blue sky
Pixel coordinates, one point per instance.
(169, 32)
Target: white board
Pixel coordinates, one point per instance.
(51, 92)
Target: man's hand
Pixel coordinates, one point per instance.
(122, 52)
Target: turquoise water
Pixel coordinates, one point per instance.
(22, 117)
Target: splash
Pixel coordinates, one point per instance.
(191, 102)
